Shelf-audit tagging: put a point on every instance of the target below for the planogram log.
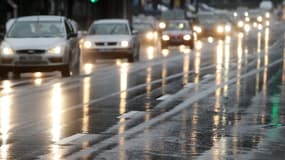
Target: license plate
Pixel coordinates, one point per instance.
(105, 50)
(30, 58)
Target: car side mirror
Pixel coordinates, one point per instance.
(81, 33)
(135, 32)
(72, 35)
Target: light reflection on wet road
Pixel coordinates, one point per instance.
(225, 143)
(117, 88)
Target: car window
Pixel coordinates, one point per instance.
(142, 26)
(27, 29)
(68, 27)
(209, 20)
(177, 26)
(109, 28)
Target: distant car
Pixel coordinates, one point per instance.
(147, 31)
(177, 32)
(213, 25)
(111, 39)
(266, 5)
(258, 19)
(39, 44)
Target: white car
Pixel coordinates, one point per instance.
(40, 44)
(111, 39)
(266, 5)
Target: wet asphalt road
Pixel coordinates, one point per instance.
(221, 101)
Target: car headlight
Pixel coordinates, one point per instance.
(6, 50)
(247, 19)
(259, 19)
(260, 26)
(247, 28)
(165, 37)
(240, 24)
(162, 25)
(220, 29)
(125, 44)
(187, 37)
(255, 24)
(228, 28)
(197, 29)
(150, 35)
(267, 15)
(56, 50)
(87, 44)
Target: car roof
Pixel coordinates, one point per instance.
(111, 21)
(41, 18)
(177, 21)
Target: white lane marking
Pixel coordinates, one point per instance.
(189, 85)
(69, 140)
(128, 115)
(208, 76)
(164, 97)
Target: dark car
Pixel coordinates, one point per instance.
(147, 32)
(213, 25)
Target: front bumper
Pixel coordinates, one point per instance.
(107, 53)
(212, 33)
(31, 63)
(177, 42)
(9, 68)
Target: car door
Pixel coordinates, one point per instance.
(73, 43)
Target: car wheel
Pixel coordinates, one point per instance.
(192, 45)
(4, 74)
(65, 71)
(76, 67)
(131, 58)
(164, 46)
(17, 75)
(138, 54)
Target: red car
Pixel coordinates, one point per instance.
(177, 32)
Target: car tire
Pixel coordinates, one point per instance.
(192, 45)
(17, 75)
(137, 56)
(76, 67)
(65, 71)
(164, 46)
(4, 74)
(131, 58)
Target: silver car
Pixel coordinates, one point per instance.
(111, 38)
(40, 44)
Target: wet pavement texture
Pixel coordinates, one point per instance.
(231, 94)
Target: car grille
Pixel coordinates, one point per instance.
(178, 37)
(30, 51)
(106, 43)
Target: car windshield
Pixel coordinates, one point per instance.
(109, 28)
(209, 19)
(31, 29)
(177, 26)
(142, 26)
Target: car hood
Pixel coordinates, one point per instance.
(108, 38)
(34, 43)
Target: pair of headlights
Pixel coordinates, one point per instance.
(197, 29)
(222, 29)
(88, 44)
(6, 50)
(186, 37)
(151, 35)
